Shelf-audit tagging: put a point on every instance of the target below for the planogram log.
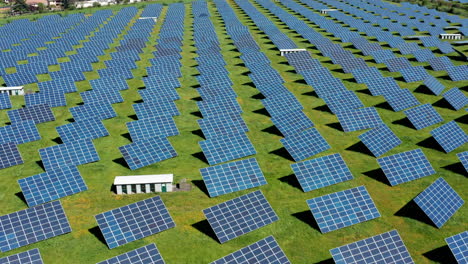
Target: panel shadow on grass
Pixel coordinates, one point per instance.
(423, 89)
(384, 105)
(412, 210)
(442, 103)
(133, 117)
(196, 99)
(462, 119)
(273, 130)
(327, 261)
(200, 156)
(21, 197)
(430, 143)
(378, 175)
(197, 114)
(282, 152)
(336, 126)
(205, 228)
(441, 255)
(308, 218)
(365, 91)
(40, 164)
(199, 133)
(126, 136)
(201, 185)
(323, 108)
(457, 168)
(262, 111)
(291, 180)
(360, 148)
(121, 162)
(258, 96)
(57, 140)
(96, 232)
(404, 122)
(312, 93)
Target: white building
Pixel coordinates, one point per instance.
(15, 90)
(451, 36)
(287, 51)
(143, 183)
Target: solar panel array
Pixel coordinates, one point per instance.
(456, 98)
(305, 144)
(434, 85)
(240, 215)
(439, 202)
(321, 172)
(265, 250)
(387, 247)
(89, 128)
(450, 136)
(147, 151)
(19, 132)
(32, 225)
(70, 153)
(5, 101)
(134, 221)
(458, 244)
(51, 185)
(292, 122)
(151, 127)
(401, 99)
(423, 116)
(358, 119)
(341, 209)
(463, 157)
(38, 113)
(32, 256)
(226, 148)
(222, 125)
(380, 140)
(232, 177)
(406, 166)
(142, 255)
(9, 155)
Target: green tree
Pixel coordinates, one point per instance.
(69, 4)
(41, 8)
(20, 6)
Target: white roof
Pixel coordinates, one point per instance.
(142, 179)
(11, 88)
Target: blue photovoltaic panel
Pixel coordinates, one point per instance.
(215, 126)
(305, 144)
(240, 215)
(32, 256)
(19, 132)
(292, 122)
(114, 82)
(100, 110)
(232, 177)
(414, 74)
(227, 147)
(9, 155)
(341, 209)
(144, 255)
(134, 221)
(162, 94)
(90, 128)
(78, 152)
(423, 116)
(155, 108)
(358, 119)
(450, 136)
(362, 74)
(151, 127)
(38, 113)
(147, 151)
(108, 95)
(5, 101)
(387, 247)
(221, 105)
(52, 99)
(321, 172)
(456, 98)
(380, 140)
(32, 225)
(52, 185)
(434, 85)
(458, 73)
(458, 244)
(463, 157)
(342, 100)
(401, 99)
(405, 166)
(439, 202)
(265, 251)
(281, 103)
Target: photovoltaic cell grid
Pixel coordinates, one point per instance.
(19, 132)
(32, 256)
(458, 73)
(9, 155)
(321, 172)
(463, 157)
(292, 122)
(434, 85)
(5, 101)
(51, 185)
(151, 127)
(401, 99)
(70, 153)
(147, 151)
(265, 251)
(450, 136)
(32, 225)
(232, 177)
(143, 255)
(220, 125)
(456, 98)
(423, 116)
(240, 215)
(38, 113)
(101, 110)
(227, 147)
(414, 74)
(134, 221)
(387, 247)
(405, 166)
(358, 119)
(52, 99)
(439, 202)
(342, 100)
(305, 144)
(155, 108)
(341, 209)
(458, 244)
(380, 140)
(90, 128)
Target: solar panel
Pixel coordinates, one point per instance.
(458, 73)
(358, 119)
(396, 64)
(463, 157)
(414, 74)
(423, 55)
(163, 93)
(440, 63)
(240, 215)
(321, 172)
(32, 256)
(221, 105)
(9, 155)
(423, 116)
(380, 86)
(142, 255)
(305, 144)
(380, 140)
(108, 95)
(114, 82)
(439, 202)
(32, 225)
(265, 251)
(401, 99)
(292, 122)
(90, 128)
(227, 147)
(78, 152)
(38, 113)
(450, 136)
(5, 101)
(97, 110)
(341, 209)
(434, 85)
(51, 185)
(151, 127)
(51, 98)
(134, 221)
(387, 247)
(147, 151)
(405, 166)
(149, 109)
(232, 177)
(215, 126)
(458, 244)
(362, 74)
(456, 98)
(380, 56)
(19, 132)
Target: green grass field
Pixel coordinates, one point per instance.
(192, 239)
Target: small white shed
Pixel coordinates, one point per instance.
(143, 183)
(14, 90)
